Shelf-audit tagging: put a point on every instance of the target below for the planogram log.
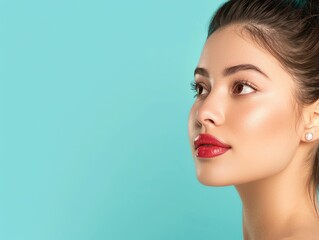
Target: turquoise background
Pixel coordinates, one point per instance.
(94, 101)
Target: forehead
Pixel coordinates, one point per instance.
(230, 46)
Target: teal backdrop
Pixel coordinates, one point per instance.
(94, 102)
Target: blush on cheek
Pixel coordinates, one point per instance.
(262, 120)
(264, 139)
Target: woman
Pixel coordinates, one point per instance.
(255, 121)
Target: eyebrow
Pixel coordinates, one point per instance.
(231, 70)
(201, 71)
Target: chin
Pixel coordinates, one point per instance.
(214, 180)
(214, 174)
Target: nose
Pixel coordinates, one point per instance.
(210, 111)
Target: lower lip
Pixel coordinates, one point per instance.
(210, 151)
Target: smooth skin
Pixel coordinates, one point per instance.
(245, 98)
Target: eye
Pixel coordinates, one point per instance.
(198, 89)
(242, 87)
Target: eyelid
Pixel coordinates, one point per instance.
(201, 83)
(245, 82)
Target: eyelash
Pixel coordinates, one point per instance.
(195, 86)
(198, 88)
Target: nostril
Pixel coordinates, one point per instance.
(207, 121)
(210, 121)
(210, 113)
(198, 123)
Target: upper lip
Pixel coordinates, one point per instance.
(207, 139)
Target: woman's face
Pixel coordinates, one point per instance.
(245, 100)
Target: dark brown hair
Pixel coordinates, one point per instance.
(289, 30)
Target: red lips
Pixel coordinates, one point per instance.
(207, 146)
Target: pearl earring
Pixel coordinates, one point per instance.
(309, 136)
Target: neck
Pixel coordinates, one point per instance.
(273, 207)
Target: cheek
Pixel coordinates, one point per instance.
(260, 120)
(264, 137)
(263, 120)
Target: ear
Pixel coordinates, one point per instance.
(311, 129)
